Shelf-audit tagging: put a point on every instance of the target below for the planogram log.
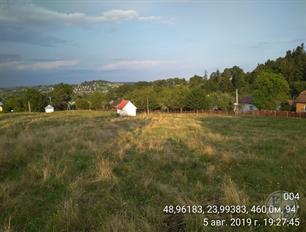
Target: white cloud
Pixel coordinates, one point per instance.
(48, 65)
(37, 15)
(44, 65)
(133, 64)
(8, 64)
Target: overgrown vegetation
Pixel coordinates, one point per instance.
(272, 84)
(91, 171)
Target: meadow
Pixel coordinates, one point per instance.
(93, 171)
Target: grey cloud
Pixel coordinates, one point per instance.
(27, 36)
(35, 15)
(9, 58)
(41, 65)
(28, 23)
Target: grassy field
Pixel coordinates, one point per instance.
(92, 171)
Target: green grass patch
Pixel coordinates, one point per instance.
(92, 171)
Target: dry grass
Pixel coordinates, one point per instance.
(232, 194)
(210, 171)
(228, 158)
(91, 171)
(104, 171)
(7, 227)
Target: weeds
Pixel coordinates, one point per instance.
(91, 171)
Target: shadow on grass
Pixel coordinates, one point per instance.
(38, 170)
(148, 181)
(267, 152)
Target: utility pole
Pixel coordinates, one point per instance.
(237, 96)
(29, 106)
(236, 108)
(148, 110)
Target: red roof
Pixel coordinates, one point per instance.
(122, 104)
(301, 98)
(246, 100)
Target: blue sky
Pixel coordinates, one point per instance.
(46, 42)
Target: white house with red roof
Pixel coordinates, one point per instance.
(126, 108)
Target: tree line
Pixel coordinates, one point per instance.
(271, 84)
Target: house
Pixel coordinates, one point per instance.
(300, 102)
(1, 106)
(49, 109)
(246, 104)
(126, 108)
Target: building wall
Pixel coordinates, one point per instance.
(49, 110)
(122, 112)
(248, 107)
(300, 107)
(1, 109)
(128, 110)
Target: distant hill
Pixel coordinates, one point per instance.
(94, 86)
(78, 89)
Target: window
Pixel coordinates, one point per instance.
(304, 108)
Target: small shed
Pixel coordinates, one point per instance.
(300, 102)
(1, 106)
(49, 109)
(126, 108)
(246, 104)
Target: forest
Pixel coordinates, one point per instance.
(270, 84)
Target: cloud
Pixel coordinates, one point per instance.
(30, 24)
(263, 44)
(35, 15)
(19, 34)
(8, 64)
(8, 58)
(34, 66)
(133, 64)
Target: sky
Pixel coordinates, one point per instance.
(47, 42)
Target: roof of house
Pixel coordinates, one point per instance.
(246, 100)
(1, 104)
(122, 104)
(49, 107)
(301, 98)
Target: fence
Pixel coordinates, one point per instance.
(272, 113)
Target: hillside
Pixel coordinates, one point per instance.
(91, 171)
(88, 87)
(85, 87)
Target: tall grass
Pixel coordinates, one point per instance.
(92, 171)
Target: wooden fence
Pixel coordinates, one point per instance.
(272, 113)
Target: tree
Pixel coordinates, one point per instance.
(297, 87)
(172, 98)
(14, 104)
(215, 77)
(222, 101)
(196, 80)
(97, 101)
(292, 67)
(197, 99)
(61, 95)
(35, 99)
(237, 77)
(139, 97)
(82, 104)
(170, 82)
(226, 85)
(270, 90)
